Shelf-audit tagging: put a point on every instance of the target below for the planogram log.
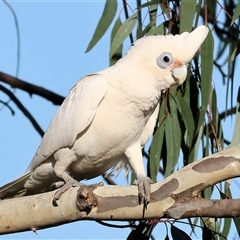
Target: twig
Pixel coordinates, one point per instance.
(127, 16)
(31, 88)
(227, 113)
(23, 109)
(139, 14)
(18, 35)
(6, 104)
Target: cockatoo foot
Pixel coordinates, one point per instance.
(68, 184)
(144, 190)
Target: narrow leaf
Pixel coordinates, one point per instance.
(156, 147)
(207, 233)
(226, 228)
(175, 124)
(187, 117)
(141, 33)
(148, 4)
(194, 151)
(172, 154)
(188, 9)
(167, 238)
(122, 33)
(216, 120)
(105, 21)
(118, 54)
(236, 13)
(227, 221)
(178, 234)
(206, 77)
(231, 70)
(237, 224)
(156, 30)
(142, 231)
(236, 130)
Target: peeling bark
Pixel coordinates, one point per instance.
(177, 196)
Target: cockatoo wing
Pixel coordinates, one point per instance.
(72, 118)
(149, 127)
(15, 187)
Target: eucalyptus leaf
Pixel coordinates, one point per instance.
(105, 21)
(123, 32)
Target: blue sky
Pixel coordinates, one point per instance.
(53, 36)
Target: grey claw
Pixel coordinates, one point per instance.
(144, 189)
(64, 188)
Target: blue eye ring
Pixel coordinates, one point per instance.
(165, 60)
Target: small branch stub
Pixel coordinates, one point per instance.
(86, 200)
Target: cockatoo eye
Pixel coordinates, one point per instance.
(165, 60)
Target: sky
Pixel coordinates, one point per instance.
(53, 38)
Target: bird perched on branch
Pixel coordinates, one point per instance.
(108, 116)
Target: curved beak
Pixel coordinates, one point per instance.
(179, 74)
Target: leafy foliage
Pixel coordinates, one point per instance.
(189, 119)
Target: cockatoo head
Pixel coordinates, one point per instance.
(167, 57)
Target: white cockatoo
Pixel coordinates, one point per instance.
(108, 116)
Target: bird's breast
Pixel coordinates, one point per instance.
(117, 125)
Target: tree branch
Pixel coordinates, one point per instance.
(31, 88)
(23, 109)
(177, 196)
(227, 113)
(201, 207)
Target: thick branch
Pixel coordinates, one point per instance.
(200, 207)
(177, 196)
(31, 88)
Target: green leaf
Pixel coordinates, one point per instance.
(208, 192)
(152, 10)
(156, 147)
(206, 76)
(236, 130)
(151, 29)
(178, 234)
(156, 30)
(227, 221)
(105, 21)
(216, 120)
(176, 125)
(172, 138)
(118, 54)
(141, 33)
(236, 13)
(148, 4)
(193, 224)
(187, 117)
(122, 33)
(142, 231)
(170, 145)
(212, 224)
(226, 228)
(231, 70)
(188, 9)
(194, 151)
(237, 224)
(198, 12)
(207, 233)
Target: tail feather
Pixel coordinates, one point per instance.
(15, 188)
